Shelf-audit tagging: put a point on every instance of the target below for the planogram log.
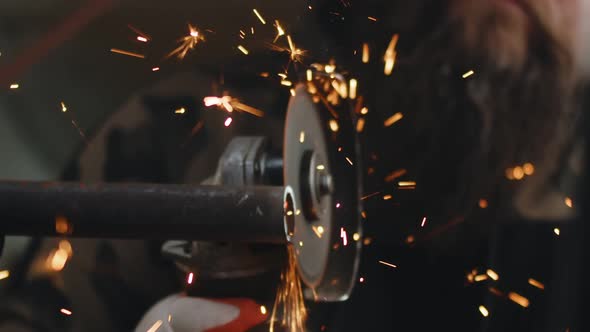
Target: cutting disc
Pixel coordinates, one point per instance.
(322, 178)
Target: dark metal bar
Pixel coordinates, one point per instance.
(213, 213)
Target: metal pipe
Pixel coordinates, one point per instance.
(211, 213)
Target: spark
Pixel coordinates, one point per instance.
(155, 327)
(155, 68)
(252, 30)
(259, 16)
(484, 311)
(360, 125)
(301, 137)
(518, 173)
(57, 259)
(142, 39)
(371, 18)
(63, 107)
(536, 283)
(309, 75)
(480, 277)
(469, 73)
(423, 222)
(349, 161)
(367, 241)
(388, 264)
(393, 119)
(243, 49)
(187, 43)
(370, 195)
(395, 174)
(528, 169)
(333, 125)
(364, 214)
(364, 111)
(169, 318)
(390, 55)
(65, 311)
(227, 122)
(356, 236)
(292, 92)
(280, 31)
(14, 86)
(264, 74)
(301, 243)
(263, 310)
(519, 299)
(568, 202)
(180, 110)
(492, 274)
(365, 57)
(509, 175)
(4, 274)
(229, 104)
(361, 279)
(286, 83)
(62, 226)
(352, 89)
(337, 205)
(329, 69)
(556, 231)
(189, 279)
(139, 32)
(123, 52)
(406, 184)
(387, 197)
(66, 246)
(317, 231)
(483, 203)
(495, 291)
(289, 299)
(343, 236)
(320, 167)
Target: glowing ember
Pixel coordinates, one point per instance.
(337, 205)
(556, 231)
(536, 283)
(393, 119)
(180, 110)
(390, 55)
(189, 279)
(66, 246)
(155, 68)
(483, 203)
(364, 110)
(518, 173)
(155, 327)
(519, 299)
(301, 137)
(131, 54)
(492, 274)
(423, 222)
(366, 53)
(360, 125)
(406, 184)
(4, 274)
(243, 49)
(356, 236)
(229, 104)
(480, 277)
(227, 122)
(62, 225)
(333, 125)
(63, 107)
(65, 312)
(568, 202)
(319, 231)
(469, 73)
(286, 83)
(142, 39)
(349, 161)
(14, 86)
(187, 43)
(320, 167)
(352, 89)
(371, 18)
(388, 264)
(263, 310)
(259, 16)
(484, 311)
(387, 197)
(395, 174)
(57, 259)
(528, 169)
(280, 31)
(361, 279)
(343, 236)
(309, 75)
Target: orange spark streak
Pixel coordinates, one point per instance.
(388, 264)
(123, 52)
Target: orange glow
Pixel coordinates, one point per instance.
(123, 52)
(536, 283)
(333, 125)
(528, 169)
(393, 119)
(519, 299)
(62, 226)
(259, 16)
(483, 203)
(492, 274)
(366, 53)
(484, 311)
(568, 202)
(518, 173)
(155, 327)
(360, 125)
(390, 55)
(65, 312)
(4, 274)
(243, 49)
(388, 264)
(395, 174)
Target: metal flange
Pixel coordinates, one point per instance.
(323, 178)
